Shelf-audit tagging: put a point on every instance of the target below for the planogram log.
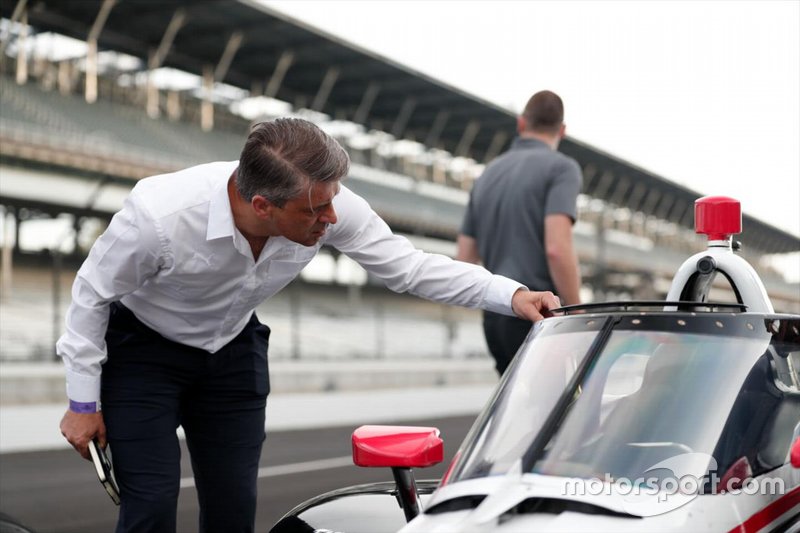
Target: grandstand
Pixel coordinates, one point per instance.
(72, 144)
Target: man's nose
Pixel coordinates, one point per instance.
(328, 216)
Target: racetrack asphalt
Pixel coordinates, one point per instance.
(46, 486)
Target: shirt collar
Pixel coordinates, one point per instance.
(527, 142)
(220, 216)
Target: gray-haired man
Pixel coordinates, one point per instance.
(163, 310)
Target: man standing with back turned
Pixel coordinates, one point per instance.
(519, 219)
(163, 310)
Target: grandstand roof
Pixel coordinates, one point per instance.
(346, 81)
(136, 28)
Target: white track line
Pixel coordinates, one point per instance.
(292, 468)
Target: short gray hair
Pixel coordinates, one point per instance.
(282, 157)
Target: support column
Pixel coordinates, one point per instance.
(604, 184)
(174, 108)
(207, 105)
(7, 256)
(217, 73)
(22, 52)
(281, 68)
(621, 187)
(65, 77)
(91, 52)
(650, 201)
(677, 211)
(325, 89)
(399, 126)
(77, 224)
(19, 11)
(90, 90)
(224, 63)
(437, 128)
(636, 196)
(462, 150)
(665, 205)
(687, 218)
(152, 104)
(600, 261)
(362, 113)
(498, 141)
(56, 288)
(157, 58)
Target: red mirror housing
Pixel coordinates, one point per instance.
(794, 456)
(397, 446)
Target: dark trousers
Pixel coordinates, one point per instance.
(504, 335)
(152, 385)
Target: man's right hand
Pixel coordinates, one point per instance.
(80, 428)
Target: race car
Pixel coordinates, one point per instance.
(675, 415)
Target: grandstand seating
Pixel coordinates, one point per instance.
(115, 128)
(117, 125)
(331, 321)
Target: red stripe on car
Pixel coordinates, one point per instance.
(769, 513)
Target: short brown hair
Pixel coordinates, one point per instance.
(544, 112)
(282, 156)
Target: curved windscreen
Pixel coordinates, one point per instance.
(719, 389)
(532, 386)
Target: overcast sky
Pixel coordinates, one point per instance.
(706, 94)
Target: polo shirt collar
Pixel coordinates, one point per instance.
(527, 142)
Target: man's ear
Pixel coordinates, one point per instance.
(522, 124)
(262, 207)
(563, 131)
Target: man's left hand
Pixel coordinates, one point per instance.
(533, 305)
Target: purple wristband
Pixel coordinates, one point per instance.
(82, 407)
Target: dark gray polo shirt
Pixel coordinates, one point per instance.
(508, 204)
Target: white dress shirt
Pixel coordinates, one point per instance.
(174, 257)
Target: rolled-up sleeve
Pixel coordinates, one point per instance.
(122, 259)
(365, 237)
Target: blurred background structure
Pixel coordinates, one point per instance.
(95, 94)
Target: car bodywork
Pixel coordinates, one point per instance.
(660, 416)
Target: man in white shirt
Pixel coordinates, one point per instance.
(163, 306)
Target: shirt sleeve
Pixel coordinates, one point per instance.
(121, 260)
(365, 237)
(564, 188)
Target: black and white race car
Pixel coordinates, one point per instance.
(660, 416)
